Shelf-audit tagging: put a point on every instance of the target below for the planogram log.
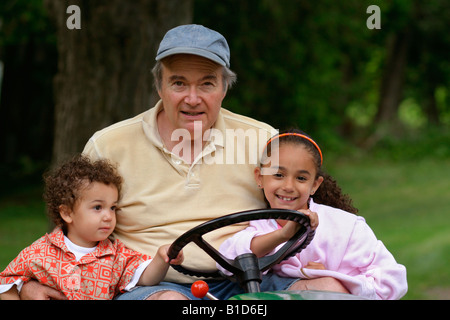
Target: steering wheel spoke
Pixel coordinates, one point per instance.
(215, 254)
(289, 249)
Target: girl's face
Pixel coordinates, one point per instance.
(290, 184)
(93, 217)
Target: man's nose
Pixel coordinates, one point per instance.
(192, 97)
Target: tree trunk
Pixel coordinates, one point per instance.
(392, 82)
(104, 68)
(431, 108)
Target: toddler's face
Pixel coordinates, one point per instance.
(93, 217)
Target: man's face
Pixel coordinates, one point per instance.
(192, 90)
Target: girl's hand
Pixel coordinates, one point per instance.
(314, 265)
(163, 253)
(313, 218)
(289, 229)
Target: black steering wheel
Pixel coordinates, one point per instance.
(246, 268)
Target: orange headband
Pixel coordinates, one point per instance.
(301, 136)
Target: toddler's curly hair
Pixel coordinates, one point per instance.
(63, 184)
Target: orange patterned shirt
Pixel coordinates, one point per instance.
(99, 275)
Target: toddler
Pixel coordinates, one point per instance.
(77, 258)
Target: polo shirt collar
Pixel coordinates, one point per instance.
(150, 126)
(105, 247)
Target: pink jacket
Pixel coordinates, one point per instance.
(344, 244)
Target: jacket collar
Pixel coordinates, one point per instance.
(104, 248)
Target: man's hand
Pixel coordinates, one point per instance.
(321, 284)
(33, 290)
(315, 265)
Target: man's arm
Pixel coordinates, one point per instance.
(320, 284)
(11, 294)
(33, 290)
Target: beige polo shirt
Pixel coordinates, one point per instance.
(163, 196)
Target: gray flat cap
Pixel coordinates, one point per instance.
(197, 40)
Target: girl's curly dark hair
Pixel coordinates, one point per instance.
(63, 184)
(329, 193)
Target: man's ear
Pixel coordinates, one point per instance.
(66, 213)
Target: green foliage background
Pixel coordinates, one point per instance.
(313, 65)
(309, 64)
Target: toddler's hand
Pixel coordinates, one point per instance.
(163, 252)
(179, 259)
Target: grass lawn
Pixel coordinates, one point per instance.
(406, 204)
(408, 207)
(22, 221)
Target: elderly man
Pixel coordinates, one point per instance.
(186, 160)
(175, 158)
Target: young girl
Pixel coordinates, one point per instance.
(344, 247)
(77, 258)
